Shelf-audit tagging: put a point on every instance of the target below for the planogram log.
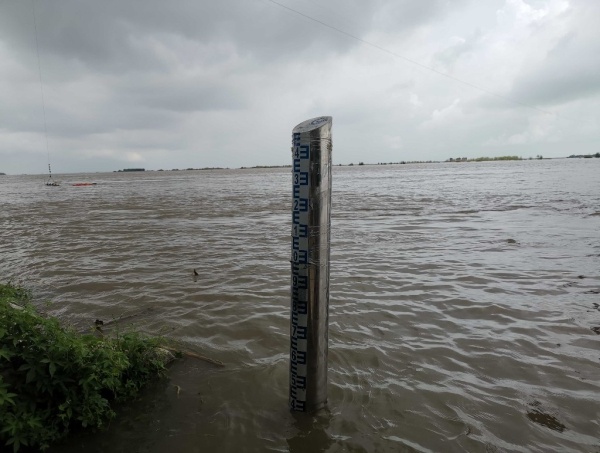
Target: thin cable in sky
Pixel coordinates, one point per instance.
(416, 63)
(37, 49)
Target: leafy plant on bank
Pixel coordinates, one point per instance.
(53, 380)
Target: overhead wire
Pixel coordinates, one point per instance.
(411, 61)
(37, 49)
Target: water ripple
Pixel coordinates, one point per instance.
(463, 298)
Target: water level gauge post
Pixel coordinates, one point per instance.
(310, 257)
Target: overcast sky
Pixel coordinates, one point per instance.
(192, 83)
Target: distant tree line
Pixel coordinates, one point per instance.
(584, 156)
(484, 159)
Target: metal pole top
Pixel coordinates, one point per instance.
(312, 124)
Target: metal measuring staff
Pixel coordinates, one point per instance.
(311, 221)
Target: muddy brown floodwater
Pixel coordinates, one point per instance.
(463, 315)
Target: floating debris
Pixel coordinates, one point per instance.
(536, 415)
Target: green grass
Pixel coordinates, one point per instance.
(485, 159)
(54, 380)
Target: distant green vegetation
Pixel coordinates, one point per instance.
(485, 159)
(266, 166)
(53, 380)
(482, 159)
(584, 156)
(403, 162)
(194, 169)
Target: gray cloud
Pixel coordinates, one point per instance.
(569, 71)
(460, 47)
(197, 83)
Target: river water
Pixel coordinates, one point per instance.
(464, 312)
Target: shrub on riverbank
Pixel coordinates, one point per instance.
(53, 380)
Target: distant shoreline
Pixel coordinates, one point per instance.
(351, 164)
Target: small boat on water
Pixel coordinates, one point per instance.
(77, 184)
(51, 182)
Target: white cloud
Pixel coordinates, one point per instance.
(134, 157)
(413, 98)
(444, 114)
